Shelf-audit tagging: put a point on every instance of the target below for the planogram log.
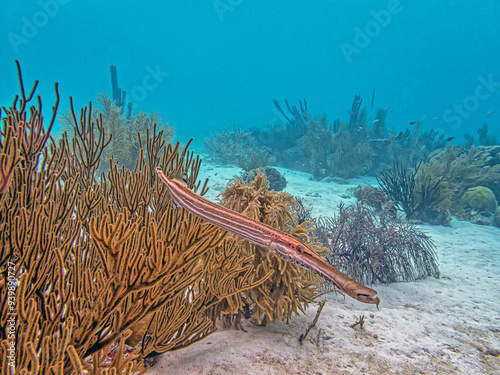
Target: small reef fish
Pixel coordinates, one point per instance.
(413, 122)
(386, 108)
(377, 120)
(450, 139)
(490, 112)
(436, 118)
(259, 234)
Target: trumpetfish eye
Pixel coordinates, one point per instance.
(299, 249)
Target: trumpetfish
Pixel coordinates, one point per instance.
(286, 246)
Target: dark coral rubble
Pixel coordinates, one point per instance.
(274, 178)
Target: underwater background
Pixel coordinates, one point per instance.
(222, 62)
(346, 145)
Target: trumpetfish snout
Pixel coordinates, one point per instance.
(276, 241)
(294, 251)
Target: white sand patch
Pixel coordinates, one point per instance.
(432, 326)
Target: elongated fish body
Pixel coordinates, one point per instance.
(259, 234)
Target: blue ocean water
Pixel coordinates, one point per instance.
(206, 65)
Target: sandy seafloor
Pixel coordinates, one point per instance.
(432, 326)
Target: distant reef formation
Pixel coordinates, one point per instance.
(459, 181)
(360, 146)
(420, 171)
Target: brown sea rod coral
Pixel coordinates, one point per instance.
(125, 144)
(101, 271)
